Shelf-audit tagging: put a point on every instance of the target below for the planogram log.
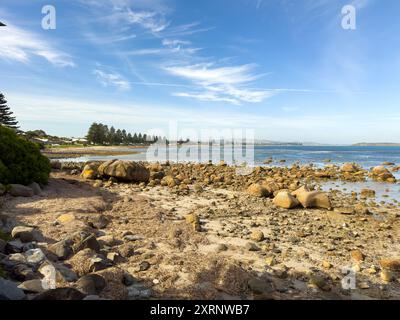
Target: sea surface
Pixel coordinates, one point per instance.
(365, 156)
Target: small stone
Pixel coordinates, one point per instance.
(270, 261)
(144, 266)
(62, 249)
(363, 285)
(326, 264)
(34, 256)
(66, 218)
(387, 276)
(285, 200)
(357, 255)
(257, 236)
(251, 246)
(91, 284)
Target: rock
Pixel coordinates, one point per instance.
(60, 294)
(194, 220)
(326, 264)
(33, 286)
(87, 261)
(390, 264)
(367, 193)
(18, 190)
(10, 291)
(387, 276)
(270, 261)
(257, 190)
(36, 188)
(62, 249)
(285, 200)
(84, 240)
(169, 181)
(257, 236)
(314, 199)
(57, 272)
(349, 167)
(260, 286)
(98, 221)
(144, 266)
(91, 284)
(108, 240)
(380, 173)
(66, 218)
(124, 170)
(89, 172)
(14, 246)
(251, 246)
(34, 256)
(26, 234)
(357, 255)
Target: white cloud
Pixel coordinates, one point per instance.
(20, 45)
(112, 79)
(229, 84)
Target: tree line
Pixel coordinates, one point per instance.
(99, 133)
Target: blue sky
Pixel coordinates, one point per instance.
(285, 68)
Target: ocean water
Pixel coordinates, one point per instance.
(367, 157)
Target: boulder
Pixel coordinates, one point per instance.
(367, 193)
(124, 170)
(314, 199)
(62, 249)
(349, 167)
(10, 291)
(257, 190)
(285, 200)
(18, 190)
(380, 173)
(89, 171)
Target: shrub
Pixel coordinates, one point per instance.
(20, 160)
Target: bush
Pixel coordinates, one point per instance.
(20, 160)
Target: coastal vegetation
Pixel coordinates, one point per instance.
(6, 115)
(20, 160)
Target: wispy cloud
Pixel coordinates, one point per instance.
(229, 84)
(112, 79)
(20, 45)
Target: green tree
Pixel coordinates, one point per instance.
(6, 116)
(21, 160)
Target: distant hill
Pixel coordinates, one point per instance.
(377, 144)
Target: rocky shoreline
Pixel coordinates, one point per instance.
(125, 230)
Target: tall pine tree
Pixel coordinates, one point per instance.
(6, 116)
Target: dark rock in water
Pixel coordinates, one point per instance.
(10, 291)
(60, 294)
(18, 190)
(91, 284)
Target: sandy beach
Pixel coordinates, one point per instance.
(197, 231)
